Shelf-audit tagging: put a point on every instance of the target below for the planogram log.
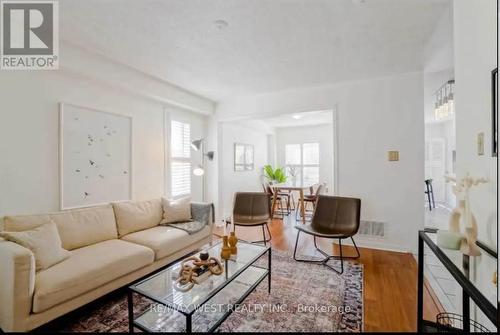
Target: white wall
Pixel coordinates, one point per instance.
(29, 130)
(322, 134)
(475, 29)
(439, 52)
(231, 181)
(475, 58)
(374, 116)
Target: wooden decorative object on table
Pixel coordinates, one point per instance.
(232, 241)
(225, 252)
(195, 270)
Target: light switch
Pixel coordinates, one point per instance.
(393, 156)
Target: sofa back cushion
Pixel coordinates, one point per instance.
(77, 228)
(132, 216)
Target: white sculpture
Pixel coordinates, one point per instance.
(463, 211)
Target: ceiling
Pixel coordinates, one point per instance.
(299, 119)
(268, 45)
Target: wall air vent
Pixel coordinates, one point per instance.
(372, 228)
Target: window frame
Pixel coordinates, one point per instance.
(300, 167)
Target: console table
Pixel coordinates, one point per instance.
(458, 266)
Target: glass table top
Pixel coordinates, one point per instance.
(160, 287)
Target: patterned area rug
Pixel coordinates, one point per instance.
(304, 297)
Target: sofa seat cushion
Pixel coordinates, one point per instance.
(86, 269)
(165, 240)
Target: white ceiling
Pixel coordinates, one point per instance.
(269, 45)
(306, 119)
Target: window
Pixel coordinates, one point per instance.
(180, 158)
(302, 162)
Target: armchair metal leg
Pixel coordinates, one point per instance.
(264, 240)
(327, 256)
(340, 245)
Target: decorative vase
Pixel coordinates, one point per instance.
(232, 241)
(225, 252)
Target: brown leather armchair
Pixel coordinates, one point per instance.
(333, 218)
(253, 209)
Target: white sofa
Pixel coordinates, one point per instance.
(111, 246)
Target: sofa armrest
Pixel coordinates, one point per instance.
(203, 212)
(17, 284)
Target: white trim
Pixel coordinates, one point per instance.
(368, 243)
(335, 129)
(166, 151)
(61, 160)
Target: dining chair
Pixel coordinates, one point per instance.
(334, 218)
(253, 209)
(281, 196)
(430, 193)
(311, 199)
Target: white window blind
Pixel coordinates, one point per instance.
(303, 159)
(181, 140)
(180, 158)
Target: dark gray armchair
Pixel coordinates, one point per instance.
(253, 209)
(334, 218)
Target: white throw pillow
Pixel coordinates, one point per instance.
(45, 243)
(178, 210)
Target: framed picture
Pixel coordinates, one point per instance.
(494, 112)
(95, 157)
(243, 157)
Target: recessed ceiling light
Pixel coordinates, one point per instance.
(297, 116)
(221, 24)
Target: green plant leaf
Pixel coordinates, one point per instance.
(268, 169)
(277, 175)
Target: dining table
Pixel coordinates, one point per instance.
(292, 186)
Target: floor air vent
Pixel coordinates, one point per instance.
(372, 228)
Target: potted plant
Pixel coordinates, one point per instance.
(275, 176)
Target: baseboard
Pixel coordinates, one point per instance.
(373, 244)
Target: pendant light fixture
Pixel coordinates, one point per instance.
(444, 107)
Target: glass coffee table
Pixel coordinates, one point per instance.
(205, 306)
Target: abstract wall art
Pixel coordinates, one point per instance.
(95, 155)
(243, 157)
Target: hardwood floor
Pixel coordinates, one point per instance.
(390, 278)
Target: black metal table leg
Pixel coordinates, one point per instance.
(420, 287)
(465, 296)
(130, 300)
(465, 312)
(188, 324)
(269, 269)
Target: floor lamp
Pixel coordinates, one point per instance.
(199, 145)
